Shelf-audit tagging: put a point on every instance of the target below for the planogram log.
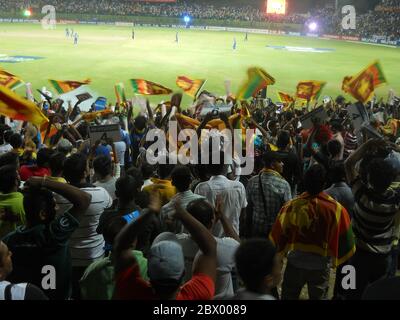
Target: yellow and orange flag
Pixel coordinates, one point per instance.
(189, 86)
(309, 89)
(18, 108)
(285, 98)
(362, 86)
(9, 80)
(62, 86)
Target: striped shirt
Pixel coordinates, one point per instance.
(350, 143)
(374, 218)
(86, 245)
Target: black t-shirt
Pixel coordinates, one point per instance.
(39, 246)
(291, 168)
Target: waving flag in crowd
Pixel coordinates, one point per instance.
(189, 86)
(285, 97)
(67, 85)
(120, 93)
(145, 87)
(258, 79)
(9, 80)
(310, 89)
(18, 108)
(363, 85)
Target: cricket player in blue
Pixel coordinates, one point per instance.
(76, 37)
(234, 43)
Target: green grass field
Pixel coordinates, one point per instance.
(107, 55)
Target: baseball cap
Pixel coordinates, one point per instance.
(166, 261)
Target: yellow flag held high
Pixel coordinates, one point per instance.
(258, 79)
(9, 80)
(18, 108)
(362, 86)
(309, 89)
(189, 86)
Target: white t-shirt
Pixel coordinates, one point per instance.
(85, 244)
(226, 248)
(4, 148)
(109, 186)
(120, 148)
(233, 196)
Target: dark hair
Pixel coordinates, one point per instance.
(56, 163)
(6, 136)
(337, 172)
(137, 175)
(102, 166)
(181, 178)
(216, 168)
(381, 174)
(8, 176)
(164, 170)
(254, 260)
(140, 122)
(112, 228)
(202, 210)
(16, 140)
(36, 201)
(283, 139)
(75, 167)
(43, 157)
(147, 170)
(337, 126)
(314, 179)
(334, 147)
(126, 188)
(9, 158)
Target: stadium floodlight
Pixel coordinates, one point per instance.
(27, 13)
(313, 26)
(186, 19)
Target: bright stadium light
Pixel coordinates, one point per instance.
(27, 13)
(313, 26)
(186, 19)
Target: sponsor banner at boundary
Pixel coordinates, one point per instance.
(330, 36)
(124, 24)
(350, 38)
(374, 40)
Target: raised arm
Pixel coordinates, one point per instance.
(80, 200)
(124, 242)
(350, 163)
(207, 261)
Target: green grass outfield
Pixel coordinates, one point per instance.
(107, 55)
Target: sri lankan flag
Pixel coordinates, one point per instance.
(285, 97)
(120, 93)
(189, 86)
(362, 85)
(67, 85)
(18, 108)
(258, 79)
(309, 89)
(9, 80)
(318, 225)
(145, 87)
